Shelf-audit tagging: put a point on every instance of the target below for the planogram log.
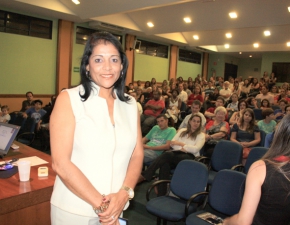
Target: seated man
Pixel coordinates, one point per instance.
(195, 108)
(152, 109)
(265, 95)
(27, 103)
(36, 112)
(158, 139)
(226, 92)
(209, 113)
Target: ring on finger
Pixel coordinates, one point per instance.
(112, 217)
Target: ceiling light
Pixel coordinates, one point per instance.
(76, 2)
(256, 45)
(150, 24)
(289, 8)
(233, 15)
(228, 35)
(267, 33)
(250, 56)
(187, 20)
(227, 45)
(288, 44)
(195, 37)
(240, 53)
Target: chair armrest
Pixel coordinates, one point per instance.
(27, 133)
(238, 167)
(153, 185)
(203, 159)
(193, 197)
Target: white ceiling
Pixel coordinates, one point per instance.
(210, 20)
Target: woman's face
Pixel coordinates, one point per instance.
(242, 106)
(105, 65)
(194, 123)
(287, 110)
(265, 103)
(139, 91)
(282, 105)
(173, 86)
(247, 117)
(274, 89)
(220, 116)
(197, 90)
(153, 80)
(253, 101)
(174, 94)
(255, 81)
(246, 81)
(234, 98)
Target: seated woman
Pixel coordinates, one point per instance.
(255, 88)
(266, 199)
(265, 104)
(196, 95)
(275, 93)
(246, 132)
(186, 144)
(212, 97)
(279, 113)
(215, 130)
(252, 103)
(173, 107)
(140, 96)
(236, 115)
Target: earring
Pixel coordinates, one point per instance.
(88, 74)
(121, 73)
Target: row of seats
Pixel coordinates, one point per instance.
(225, 175)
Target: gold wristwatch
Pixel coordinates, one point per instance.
(129, 190)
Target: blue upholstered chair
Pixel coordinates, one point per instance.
(225, 196)
(258, 114)
(189, 178)
(255, 154)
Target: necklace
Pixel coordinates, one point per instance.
(174, 100)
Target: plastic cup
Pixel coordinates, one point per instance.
(24, 170)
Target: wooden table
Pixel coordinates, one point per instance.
(26, 202)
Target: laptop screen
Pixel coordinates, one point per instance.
(8, 133)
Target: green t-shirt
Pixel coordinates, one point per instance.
(267, 127)
(160, 137)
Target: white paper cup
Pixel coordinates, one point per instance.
(24, 170)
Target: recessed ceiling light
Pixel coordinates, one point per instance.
(256, 45)
(150, 24)
(267, 33)
(289, 8)
(195, 37)
(250, 56)
(187, 20)
(240, 53)
(288, 44)
(76, 2)
(227, 45)
(228, 35)
(233, 15)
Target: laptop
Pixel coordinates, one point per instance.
(8, 134)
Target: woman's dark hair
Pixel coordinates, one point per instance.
(265, 100)
(240, 102)
(147, 84)
(252, 123)
(192, 135)
(280, 145)
(249, 100)
(94, 40)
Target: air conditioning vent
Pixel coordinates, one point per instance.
(106, 26)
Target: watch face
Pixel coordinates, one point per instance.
(131, 193)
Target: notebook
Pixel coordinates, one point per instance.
(8, 133)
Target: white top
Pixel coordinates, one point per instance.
(191, 146)
(100, 150)
(183, 96)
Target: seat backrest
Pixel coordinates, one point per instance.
(227, 190)
(29, 125)
(258, 114)
(226, 154)
(255, 154)
(190, 177)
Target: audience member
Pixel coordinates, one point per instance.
(236, 88)
(226, 92)
(36, 112)
(195, 108)
(287, 109)
(140, 96)
(209, 88)
(275, 93)
(158, 139)
(265, 104)
(174, 107)
(252, 103)
(28, 102)
(233, 106)
(4, 117)
(265, 95)
(266, 199)
(283, 95)
(255, 88)
(215, 130)
(182, 94)
(268, 123)
(196, 95)
(212, 97)
(209, 113)
(246, 132)
(245, 88)
(279, 113)
(186, 144)
(237, 115)
(152, 109)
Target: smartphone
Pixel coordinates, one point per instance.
(123, 221)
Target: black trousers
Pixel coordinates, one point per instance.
(165, 163)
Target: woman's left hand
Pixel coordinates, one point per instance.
(117, 203)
